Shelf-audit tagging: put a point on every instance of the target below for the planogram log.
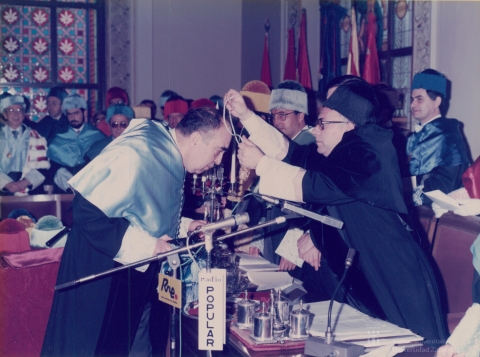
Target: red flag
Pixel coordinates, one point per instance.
(371, 69)
(290, 67)
(266, 76)
(304, 76)
(352, 66)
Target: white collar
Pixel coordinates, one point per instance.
(79, 129)
(306, 127)
(420, 126)
(173, 133)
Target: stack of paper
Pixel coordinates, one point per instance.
(250, 263)
(351, 325)
(443, 200)
(270, 280)
(288, 246)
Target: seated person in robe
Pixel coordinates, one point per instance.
(118, 118)
(436, 150)
(67, 150)
(56, 121)
(174, 111)
(23, 160)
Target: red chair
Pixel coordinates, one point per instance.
(26, 296)
(451, 251)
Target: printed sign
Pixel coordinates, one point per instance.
(170, 290)
(212, 309)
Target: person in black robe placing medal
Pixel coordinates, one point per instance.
(126, 207)
(352, 174)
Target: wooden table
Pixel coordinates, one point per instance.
(235, 348)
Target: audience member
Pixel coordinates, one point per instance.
(118, 118)
(67, 150)
(218, 101)
(320, 98)
(116, 95)
(163, 99)
(55, 122)
(3, 120)
(288, 107)
(436, 150)
(153, 107)
(388, 98)
(358, 182)
(100, 123)
(23, 161)
(174, 111)
(203, 102)
(256, 95)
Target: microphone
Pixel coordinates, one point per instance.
(235, 220)
(291, 208)
(315, 346)
(269, 199)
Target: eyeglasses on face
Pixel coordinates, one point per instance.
(116, 124)
(280, 116)
(15, 110)
(321, 123)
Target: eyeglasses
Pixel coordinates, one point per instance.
(122, 124)
(321, 123)
(280, 116)
(15, 110)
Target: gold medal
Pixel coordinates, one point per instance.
(9, 155)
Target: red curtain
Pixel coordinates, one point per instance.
(290, 67)
(304, 76)
(266, 76)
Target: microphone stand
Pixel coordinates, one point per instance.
(68, 284)
(314, 346)
(174, 262)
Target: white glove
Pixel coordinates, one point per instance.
(61, 178)
(470, 207)
(439, 211)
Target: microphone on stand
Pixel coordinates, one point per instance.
(235, 220)
(315, 346)
(290, 208)
(208, 229)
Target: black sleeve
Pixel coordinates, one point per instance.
(103, 233)
(476, 287)
(316, 187)
(445, 179)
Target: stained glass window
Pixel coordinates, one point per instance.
(51, 43)
(394, 25)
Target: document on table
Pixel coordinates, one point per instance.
(288, 246)
(443, 200)
(250, 263)
(351, 325)
(270, 280)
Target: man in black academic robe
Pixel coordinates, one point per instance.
(357, 182)
(127, 205)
